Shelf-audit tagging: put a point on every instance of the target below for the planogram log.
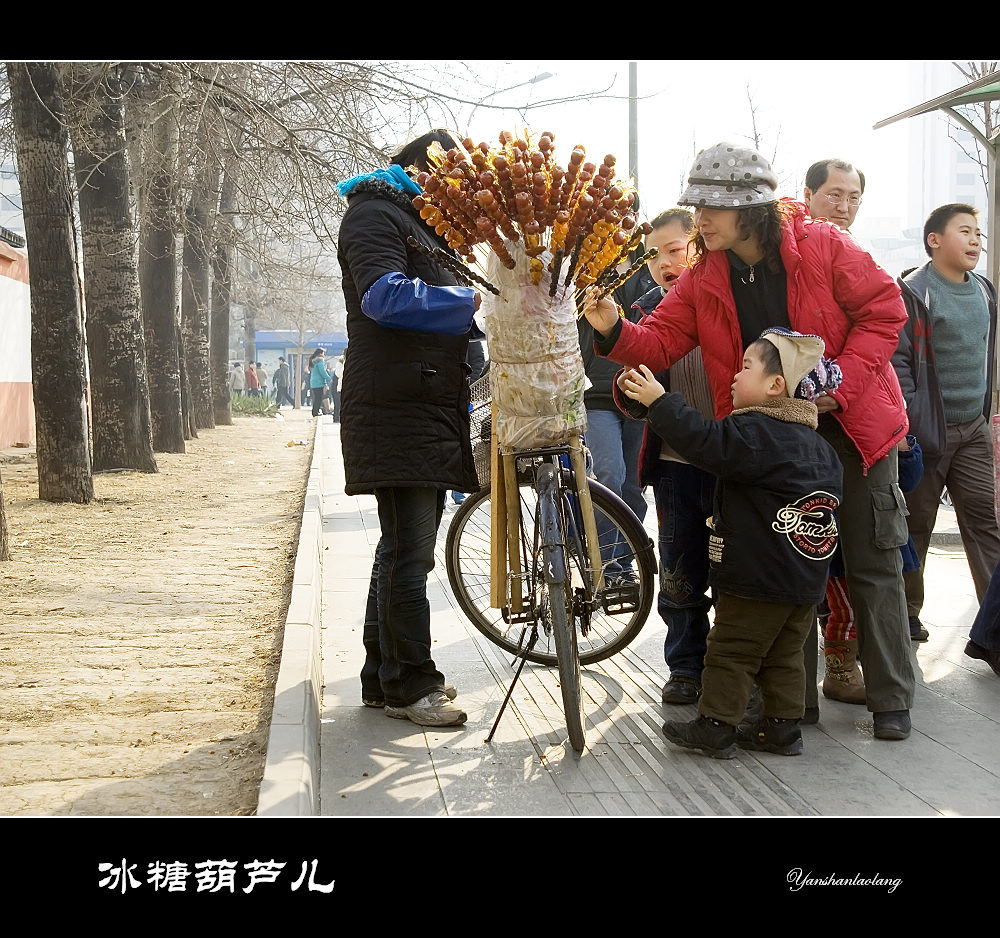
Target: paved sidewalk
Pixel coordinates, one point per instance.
(370, 765)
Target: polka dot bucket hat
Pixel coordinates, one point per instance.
(729, 176)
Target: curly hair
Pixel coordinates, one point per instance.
(760, 221)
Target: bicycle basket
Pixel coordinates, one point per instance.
(481, 427)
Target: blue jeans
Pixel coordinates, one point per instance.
(614, 442)
(397, 633)
(683, 502)
(986, 627)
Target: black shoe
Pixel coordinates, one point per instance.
(917, 631)
(715, 739)
(755, 711)
(892, 724)
(681, 690)
(991, 657)
(621, 579)
(772, 735)
(810, 717)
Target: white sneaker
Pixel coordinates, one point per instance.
(450, 691)
(433, 710)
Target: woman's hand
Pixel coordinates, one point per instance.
(826, 403)
(601, 315)
(640, 385)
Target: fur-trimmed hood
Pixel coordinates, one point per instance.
(789, 409)
(383, 190)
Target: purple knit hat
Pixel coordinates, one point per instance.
(796, 350)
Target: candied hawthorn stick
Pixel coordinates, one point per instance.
(574, 257)
(631, 272)
(557, 260)
(444, 259)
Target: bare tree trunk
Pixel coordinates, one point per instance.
(196, 294)
(4, 548)
(222, 291)
(250, 330)
(115, 343)
(187, 414)
(158, 278)
(57, 366)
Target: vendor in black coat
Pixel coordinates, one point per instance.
(404, 421)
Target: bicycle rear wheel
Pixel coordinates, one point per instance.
(614, 624)
(557, 594)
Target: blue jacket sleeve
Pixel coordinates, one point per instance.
(396, 302)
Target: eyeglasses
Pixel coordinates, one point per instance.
(853, 200)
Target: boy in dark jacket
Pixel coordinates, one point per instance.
(774, 530)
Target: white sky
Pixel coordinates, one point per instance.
(805, 110)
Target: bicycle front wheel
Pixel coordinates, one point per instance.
(612, 625)
(557, 600)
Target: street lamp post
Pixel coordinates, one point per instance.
(633, 125)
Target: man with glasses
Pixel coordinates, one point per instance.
(833, 190)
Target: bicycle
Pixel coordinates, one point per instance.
(581, 588)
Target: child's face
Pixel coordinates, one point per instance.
(958, 247)
(750, 385)
(670, 241)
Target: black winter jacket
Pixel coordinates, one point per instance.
(914, 362)
(405, 393)
(779, 483)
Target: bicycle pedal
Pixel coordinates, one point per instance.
(620, 599)
(527, 615)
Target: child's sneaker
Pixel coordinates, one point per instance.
(772, 735)
(713, 738)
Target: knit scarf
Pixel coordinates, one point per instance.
(395, 177)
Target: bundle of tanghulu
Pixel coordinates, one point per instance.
(550, 232)
(516, 197)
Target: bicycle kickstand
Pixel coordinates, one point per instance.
(532, 638)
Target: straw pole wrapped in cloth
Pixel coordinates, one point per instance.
(537, 377)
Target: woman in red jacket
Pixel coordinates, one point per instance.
(760, 262)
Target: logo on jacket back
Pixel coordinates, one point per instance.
(810, 525)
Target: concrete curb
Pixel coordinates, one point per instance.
(290, 786)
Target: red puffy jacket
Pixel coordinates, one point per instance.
(835, 291)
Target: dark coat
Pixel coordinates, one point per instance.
(405, 392)
(914, 362)
(779, 484)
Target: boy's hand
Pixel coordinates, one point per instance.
(601, 315)
(641, 386)
(825, 403)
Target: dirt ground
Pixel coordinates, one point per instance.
(140, 635)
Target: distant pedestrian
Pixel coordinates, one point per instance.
(262, 379)
(253, 385)
(282, 380)
(237, 380)
(319, 378)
